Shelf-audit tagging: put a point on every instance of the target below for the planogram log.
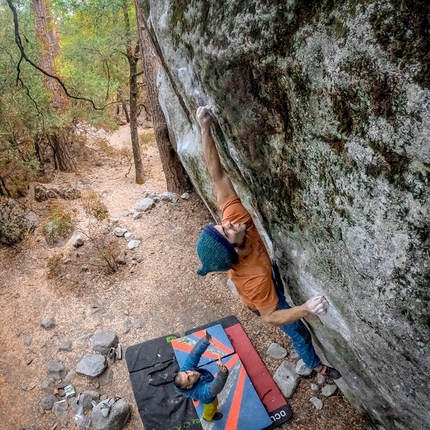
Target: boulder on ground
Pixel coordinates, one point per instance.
(116, 419)
(15, 221)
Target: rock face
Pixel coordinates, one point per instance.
(323, 113)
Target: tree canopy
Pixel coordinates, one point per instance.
(91, 63)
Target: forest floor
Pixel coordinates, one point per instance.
(156, 292)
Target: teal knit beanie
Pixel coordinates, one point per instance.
(216, 253)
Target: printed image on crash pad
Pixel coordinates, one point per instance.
(275, 403)
(238, 401)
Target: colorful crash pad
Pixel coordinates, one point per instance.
(277, 407)
(238, 401)
(152, 365)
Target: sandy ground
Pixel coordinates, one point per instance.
(155, 293)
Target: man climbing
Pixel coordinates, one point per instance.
(236, 246)
(200, 384)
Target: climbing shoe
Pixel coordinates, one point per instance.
(330, 372)
(216, 417)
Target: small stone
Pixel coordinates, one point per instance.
(56, 370)
(315, 387)
(185, 196)
(48, 402)
(119, 232)
(28, 340)
(47, 385)
(137, 215)
(145, 204)
(48, 323)
(302, 369)
(276, 351)
(92, 365)
(128, 236)
(68, 276)
(95, 395)
(169, 197)
(77, 241)
(320, 379)
(117, 418)
(114, 220)
(286, 378)
(126, 213)
(126, 313)
(70, 377)
(328, 390)
(102, 341)
(60, 411)
(316, 402)
(150, 193)
(133, 244)
(65, 345)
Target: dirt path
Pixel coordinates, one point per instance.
(156, 292)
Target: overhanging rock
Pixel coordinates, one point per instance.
(323, 124)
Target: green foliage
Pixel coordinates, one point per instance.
(92, 59)
(20, 108)
(108, 253)
(146, 138)
(91, 63)
(11, 232)
(93, 206)
(59, 223)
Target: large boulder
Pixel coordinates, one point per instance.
(15, 221)
(43, 193)
(323, 113)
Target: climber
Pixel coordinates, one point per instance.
(236, 246)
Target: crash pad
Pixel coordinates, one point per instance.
(153, 364)
(238, 401)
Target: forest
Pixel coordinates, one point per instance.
(67, 62)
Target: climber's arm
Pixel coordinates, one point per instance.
(222, 183)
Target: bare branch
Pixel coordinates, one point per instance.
(24, 57)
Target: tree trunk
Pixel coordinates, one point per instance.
(46, 33)
(3, 189)
(37, 150)
(134, 89)
(176, 177)
(60, 146)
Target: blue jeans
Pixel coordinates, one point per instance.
(298, 332)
